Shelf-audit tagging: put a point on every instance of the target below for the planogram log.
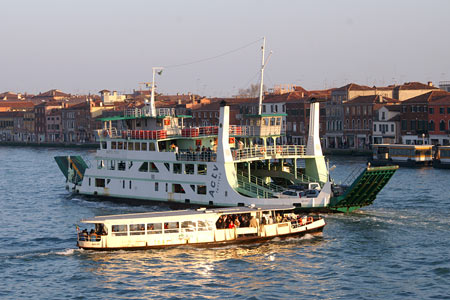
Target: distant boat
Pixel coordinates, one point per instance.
(402, 155)
(198, 228)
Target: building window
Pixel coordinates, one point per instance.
(431, 125)
(442, 125)
(392, 127)
(404, 125)
(441, 110)
(431, 110)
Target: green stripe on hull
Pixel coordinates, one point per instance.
(364, 189)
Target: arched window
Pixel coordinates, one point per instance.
(353, 124)
(442, 125)
(431, 125)
(359, 124)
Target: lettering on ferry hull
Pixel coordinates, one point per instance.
(215, 181)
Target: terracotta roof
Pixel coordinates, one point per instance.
(416, 86)
(17, 105)
(354, 87)
(52, 93)
(371, 99)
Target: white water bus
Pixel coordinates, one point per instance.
(199, 228)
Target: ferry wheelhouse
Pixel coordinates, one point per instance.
(200, 228)
(403, 155)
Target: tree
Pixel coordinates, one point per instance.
(252, 91)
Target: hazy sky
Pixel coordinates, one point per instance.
(86, 46)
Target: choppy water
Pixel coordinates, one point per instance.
(396, 249)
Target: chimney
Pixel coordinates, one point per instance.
(430, 83)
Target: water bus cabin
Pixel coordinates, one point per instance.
(199, 228)
(402, 155)
(442, 157)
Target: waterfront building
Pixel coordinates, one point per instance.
(40, 117)
(358, 119)
(386, 125)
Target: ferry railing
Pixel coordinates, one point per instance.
(261, 152)
(260, 192)
(258, 181)
(248, 130)
(196, 156)
(85, 237)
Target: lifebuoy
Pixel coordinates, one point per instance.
(279, 149)
(262, 150)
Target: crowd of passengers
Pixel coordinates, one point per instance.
(245, 220)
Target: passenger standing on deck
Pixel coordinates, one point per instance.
(253, 222)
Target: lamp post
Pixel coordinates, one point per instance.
(423, 138)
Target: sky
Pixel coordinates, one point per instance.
(83, 47)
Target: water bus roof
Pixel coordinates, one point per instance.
(117, 118)
(181, 213)
(402, 146)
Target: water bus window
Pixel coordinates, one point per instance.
(201, 189)
(137, 229)
(171, 227)
(177, 188)
(144, 146)
(188, 226)
(99, 182)
(151, 146)
(113, 145)
(154, 228)
(167, 166)
(137, 146)
(103, 145)
(121, 166)
(189, 169)
(130, 146)
(119, 145)
(144, 167)
(204, 226)
(201, 170)
(177, 168)
(119, 230)
(153, 168)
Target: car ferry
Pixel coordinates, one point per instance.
(199, 228)
(157, 158)
(402, 155)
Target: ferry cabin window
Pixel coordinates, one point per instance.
(167, 187)
(204, 226)
(121, 166)
(130, 146)
(119, 145)
(151, 146)
(113, 145)
(154, 228)
(193, 187)
(130, 185)
(100, 164)
(156, 186)
(153, 168)
(167, 166)
(119, 230)
(189, 169)
(201, 189)
(103, 145)
(112, 164)
(171, 227)
(188, 226)
(137, 229)
(144, 167)
(137, 146)
(144, 146)
(89, 181)
(125, 145)
(177, 188)
(201, 169)
(177, 168)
